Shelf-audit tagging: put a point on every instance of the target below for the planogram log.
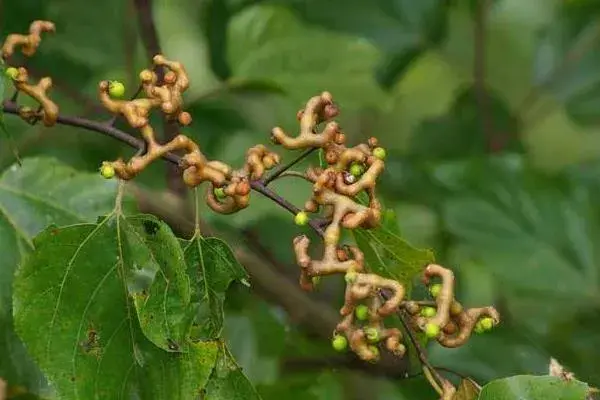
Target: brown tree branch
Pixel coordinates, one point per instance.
(479, 66)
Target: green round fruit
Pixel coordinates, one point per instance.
(362, 312)
(379, 152)
(372, 335)
(432, 330)
(435, 289)
(487, 323)
(301, 218)
(219, 193)
(428, 312)
(116, 89)
(479, 327)
(357, 169)
(339, 343)
(11, 72)
(107, 171)
(315, 280)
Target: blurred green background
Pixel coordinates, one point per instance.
(490, 114)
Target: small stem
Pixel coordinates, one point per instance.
(119, 197)
(196, 213)
(295, 174)
(420, 351)
(428, 375)
(282, 168)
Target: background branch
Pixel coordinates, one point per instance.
(479, 65)
(150, 39)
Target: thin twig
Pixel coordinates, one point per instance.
(282, 168)
(295, 174)
(421, 353)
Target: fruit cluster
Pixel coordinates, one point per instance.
(350, 171)
(347, 173)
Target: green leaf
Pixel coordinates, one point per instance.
(214, 18)
(212, 267)
(41, 192)
(403, 30)
(227, 381)
(547, 225)
(253, 86)
(567, 59)
(264, 44)
(178, 375)
(388, 255)
(80, 289)
(527, 387)
(466, 130)
(159, 283)
(396, 64)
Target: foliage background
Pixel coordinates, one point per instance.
(501, 186)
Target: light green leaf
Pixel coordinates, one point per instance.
(75, 311)
(388, 255)
(212, 267)
(527, 387)
(228, 382)
(264, 43)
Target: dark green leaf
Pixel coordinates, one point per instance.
(227, 381)
(41, 192)
(180, 376)
(158, 282)
(465, 129)
(212, 267)
(527, 387)
(215, 15)
(75, 311)
(545, 225)
(395, 65)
